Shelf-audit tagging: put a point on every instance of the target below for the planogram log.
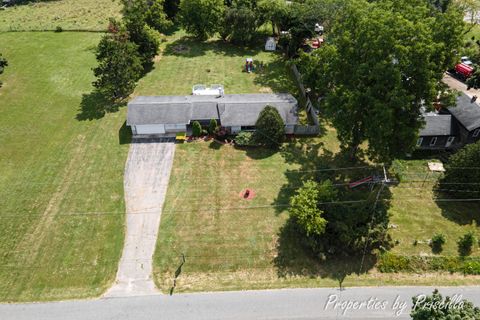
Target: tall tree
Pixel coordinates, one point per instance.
(241, 20)
(135, 13)
(119, 66)
(274, 11)
(202, 18)
(383, 63)
(156, 17)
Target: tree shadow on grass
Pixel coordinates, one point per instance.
(277, 76)
(294, 260)
(190, 47)
(94, 106)
(462, 213)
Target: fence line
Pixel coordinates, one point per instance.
(309, 129)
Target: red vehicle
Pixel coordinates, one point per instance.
(463, 71)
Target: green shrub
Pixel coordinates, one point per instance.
(437, 243)
(213, 126)
(270, 128)
(245, 138)
(390, 263)
(465, 244)
(196, 129)
(58, 29)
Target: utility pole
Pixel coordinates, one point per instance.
(384, 181)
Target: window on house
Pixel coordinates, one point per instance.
(419, 142)
(433, 141)
(476, 133)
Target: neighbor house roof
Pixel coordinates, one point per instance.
(232, 110)
(466, 112)
(437, 125)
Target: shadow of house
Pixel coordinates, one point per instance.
(124, 134)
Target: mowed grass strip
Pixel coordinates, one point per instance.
(87, 15)
(61, 187)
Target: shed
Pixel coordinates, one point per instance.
(270, 44)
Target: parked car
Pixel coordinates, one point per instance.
(466, 60)
(463, 71)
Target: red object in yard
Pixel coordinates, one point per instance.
(247, 194)
(317, 43)
(360, 182)
(463, 70)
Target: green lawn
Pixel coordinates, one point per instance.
(55, 168)
(230, 243)
(419, 217)
(67, 14)
(185, 62)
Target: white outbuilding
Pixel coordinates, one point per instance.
(270, 44)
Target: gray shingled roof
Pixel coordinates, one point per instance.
(437, 125)
(466, 112)
(233, 109)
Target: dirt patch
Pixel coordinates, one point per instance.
(248, 194)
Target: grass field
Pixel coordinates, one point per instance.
(55, 168)
(230, 243)
(419, 217)
(185, 62)
(91, 15)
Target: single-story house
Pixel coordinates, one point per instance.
(164, 115)
(451, 127)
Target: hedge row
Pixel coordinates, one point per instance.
(389, 263)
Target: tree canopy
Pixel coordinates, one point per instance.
(119, 66)
(304, 208)
(201, 18)
(383, 62)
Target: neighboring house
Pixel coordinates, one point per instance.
(167, 115)
(452, 127)
(467, 116)
(437, 133)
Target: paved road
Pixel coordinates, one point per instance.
(268, 304)
(147, 172)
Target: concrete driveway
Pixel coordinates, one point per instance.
(459, 85)
(147, 173)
